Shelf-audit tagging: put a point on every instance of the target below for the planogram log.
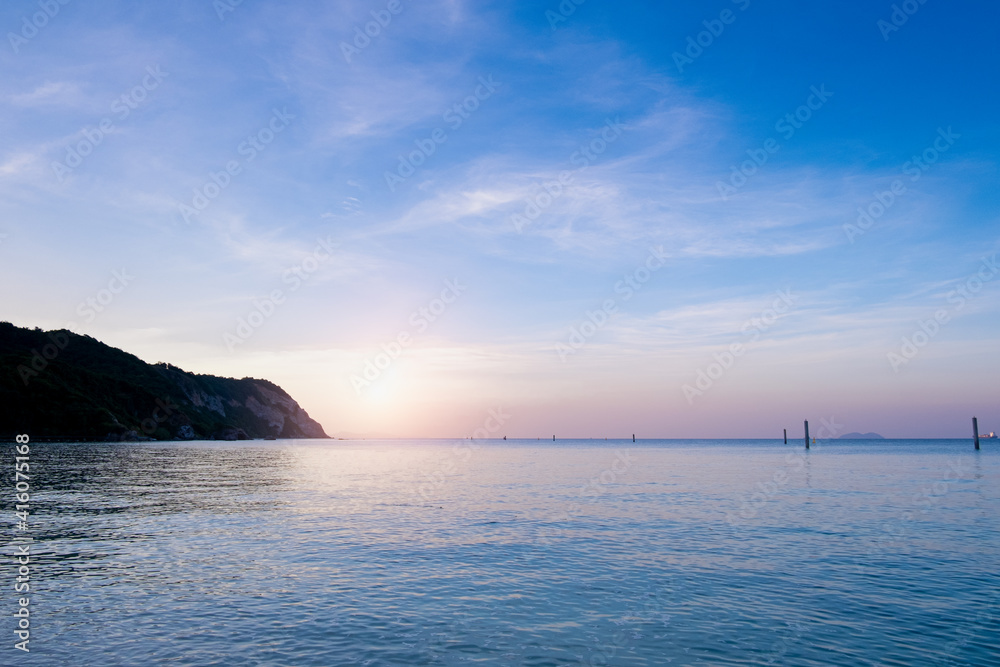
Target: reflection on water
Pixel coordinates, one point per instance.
(434, 552)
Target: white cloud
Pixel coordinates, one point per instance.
(57, 93)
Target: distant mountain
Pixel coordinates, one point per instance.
(57, 384)
(861, 436)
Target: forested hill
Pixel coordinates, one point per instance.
(58, 384)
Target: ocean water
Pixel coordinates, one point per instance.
(510, 553)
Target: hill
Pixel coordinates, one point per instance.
(57, 384)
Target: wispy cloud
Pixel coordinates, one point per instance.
(55, 93)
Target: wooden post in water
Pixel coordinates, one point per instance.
(975, 432)
(807, 434)
(786, 436)
(553, 438)
(633, 437)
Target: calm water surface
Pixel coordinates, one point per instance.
(511, 553)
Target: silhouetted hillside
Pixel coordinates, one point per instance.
(60, 384)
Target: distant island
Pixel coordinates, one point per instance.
(861, 436)
(61, 385)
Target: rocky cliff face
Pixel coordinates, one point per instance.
(61, 385)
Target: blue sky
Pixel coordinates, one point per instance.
(620, 143)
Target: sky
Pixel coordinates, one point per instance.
(582, 219)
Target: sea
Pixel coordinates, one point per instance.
(518, 552)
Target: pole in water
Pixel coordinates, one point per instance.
(786, 436)
(553, 438)
(975, 432)
(633, 437)
(807, 434)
